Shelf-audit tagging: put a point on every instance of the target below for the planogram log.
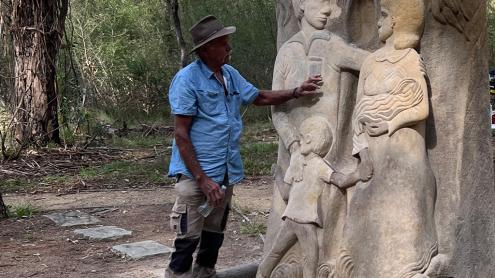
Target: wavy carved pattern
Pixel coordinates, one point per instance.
(385, 107)
(420, 266)
(345, 265)
(326, 271)
(290, 268)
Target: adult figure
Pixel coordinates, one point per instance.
(205, 98)
(313, 50)
(390, 229)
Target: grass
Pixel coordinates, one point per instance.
(253, 228)
(259, 157)
(22, 210)
(14, 184)
(138, 141)
(136, 171)
(259, 146)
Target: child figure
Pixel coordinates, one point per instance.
(302, 214)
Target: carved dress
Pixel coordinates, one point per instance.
(390, 229)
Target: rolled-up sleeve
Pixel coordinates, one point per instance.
(183, 100)
(247, 91)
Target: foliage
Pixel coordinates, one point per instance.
(120, 55)
(137, 141)
(253, 228)
(134, 171)
(22, 210)
(491, 30)
(259, 148)
(121, 58)
(13, 184)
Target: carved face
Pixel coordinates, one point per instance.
(306, 144)
(316, 12)
(385, 25)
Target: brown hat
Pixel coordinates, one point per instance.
(207, 29)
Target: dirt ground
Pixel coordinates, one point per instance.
(36, 247)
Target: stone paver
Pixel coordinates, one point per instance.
(143, 249)
(72, 218)
(103, 233)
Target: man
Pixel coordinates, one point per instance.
(205, 98)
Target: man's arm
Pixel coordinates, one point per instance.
(307, 89)
(210, 188)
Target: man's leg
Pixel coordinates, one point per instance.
(284, 240)
(186, 221)
(212, 238)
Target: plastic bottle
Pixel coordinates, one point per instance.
(205, 209)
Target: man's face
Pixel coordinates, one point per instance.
(316, 12)
(218, 50)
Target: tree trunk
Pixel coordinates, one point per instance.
(3, 208)
(37, 29)
(173, 12)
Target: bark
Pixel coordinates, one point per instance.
(173, 13)
(3, 208)
(37, 29)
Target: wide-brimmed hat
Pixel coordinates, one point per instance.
(207, 29)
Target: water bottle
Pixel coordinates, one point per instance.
(205, 209)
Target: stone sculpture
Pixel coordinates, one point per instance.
(422, 204)
(312, 51)
(454, 48)
(390, 229)
(302, 216)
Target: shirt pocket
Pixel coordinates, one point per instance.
(235, 103)
(211, 102)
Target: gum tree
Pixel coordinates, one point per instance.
(3, 208)
(36, 28)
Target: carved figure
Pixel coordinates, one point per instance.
(312, 51)
(390, 229)
(302, 216)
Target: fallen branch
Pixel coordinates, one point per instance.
(238, 211)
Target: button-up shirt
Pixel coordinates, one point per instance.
(216, 127)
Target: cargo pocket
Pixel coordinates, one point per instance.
(178, 219)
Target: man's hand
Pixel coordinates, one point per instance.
(309, 87)
(214, 194)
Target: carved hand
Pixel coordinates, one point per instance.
(295, 170)
(365, 170)
(365, 167)
(293, 147)
(344, 181)
(376, 129)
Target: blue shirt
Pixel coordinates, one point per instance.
(217, 125)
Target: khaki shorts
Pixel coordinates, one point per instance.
(186, 221)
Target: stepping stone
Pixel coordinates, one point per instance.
(72, 218)
(143, 249)
(103, 233)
